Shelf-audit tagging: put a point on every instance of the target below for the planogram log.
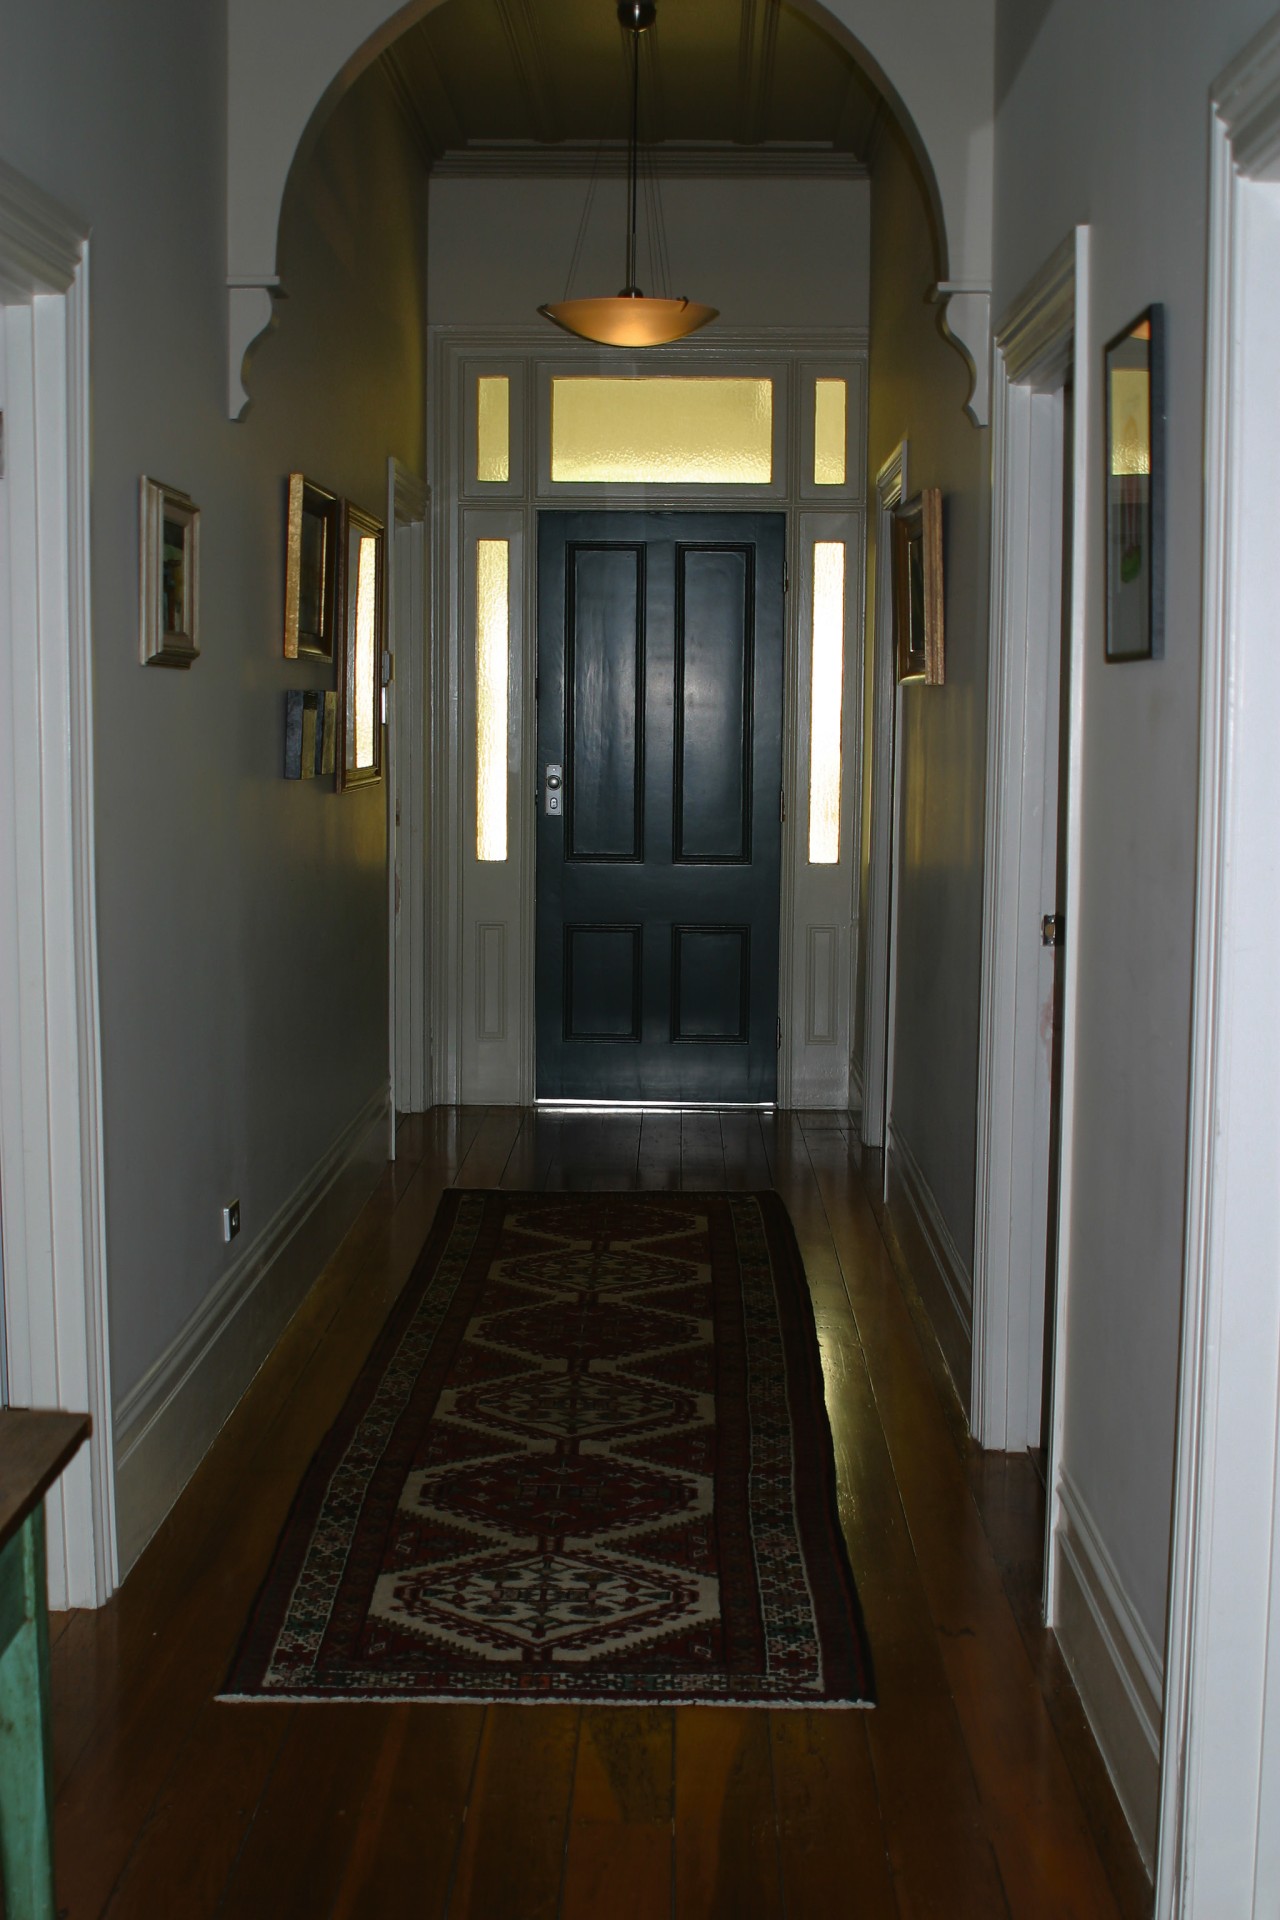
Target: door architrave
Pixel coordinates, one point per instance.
(1042, 342)
(1218, 1843)
(877, 1023)
(409, 1046)
(51, 1175)
(794, 359)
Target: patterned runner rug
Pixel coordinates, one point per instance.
(588, 1459)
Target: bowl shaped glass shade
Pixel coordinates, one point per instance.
(629, 319)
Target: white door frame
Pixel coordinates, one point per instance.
(482, 922)
(408, 807)
(1219, 1840)
(1042, 341)
(50, 1065)
(877, 1020)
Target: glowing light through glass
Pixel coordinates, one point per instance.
(493, 641)
(830, 408)
(826, 693)
(493, 428)
(662, 431)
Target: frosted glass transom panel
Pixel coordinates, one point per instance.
(493, 428)
(493, 646)
(662, 431)
(830, 413)
(826, 693)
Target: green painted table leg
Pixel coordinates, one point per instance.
(26, 1772)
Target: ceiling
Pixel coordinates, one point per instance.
(748, 82)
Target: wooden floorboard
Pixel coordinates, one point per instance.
(972, 1791)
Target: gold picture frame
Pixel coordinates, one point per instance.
(359, 759)
(918, 589)
(168, 576)
(312, 565)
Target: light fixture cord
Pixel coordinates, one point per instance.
(632, 158)
(584, 222)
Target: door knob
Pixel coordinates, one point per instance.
(553, 789)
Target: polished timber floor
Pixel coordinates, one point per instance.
(973, 1791)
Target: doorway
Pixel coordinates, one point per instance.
(659, 688)
(1022, 1213)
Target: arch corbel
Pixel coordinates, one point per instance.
(290, 61)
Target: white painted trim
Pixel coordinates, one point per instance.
(934, 1232)
(1219, 1849)
(528, 357)
(50, 1082)
(1082, 416)
(409, 1037)
(856, 1094)
(1039, 343)
(891, 488)
(1116, 1667)
(167, 1422)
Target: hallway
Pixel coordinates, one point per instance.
(973, 1791)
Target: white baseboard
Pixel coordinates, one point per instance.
(856, 1089)
(1117, 1670)
(166, 1424)
(956, 1279)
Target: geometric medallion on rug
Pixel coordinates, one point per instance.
(587, 1460)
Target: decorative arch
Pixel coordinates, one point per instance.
(290, 61)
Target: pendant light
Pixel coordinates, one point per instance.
(631, 318)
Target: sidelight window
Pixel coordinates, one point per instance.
(493, 648)
(826, 692)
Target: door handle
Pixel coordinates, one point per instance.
(553, 790)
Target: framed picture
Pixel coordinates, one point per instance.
(1134, 384)
(168, 576)
(918, 588)
(312, 556)
(360, 673)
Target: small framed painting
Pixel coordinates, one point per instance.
(168, 576)
(311, 571)
(918, 588)
(360, 674)
(1134, 386)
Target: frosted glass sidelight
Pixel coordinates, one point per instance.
(830, 409)
(662, 431)
(493, 428)
(493, 642)
(826, 694)
(366, 664)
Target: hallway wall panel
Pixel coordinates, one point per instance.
(242, 935)
(1102, 119)
(918, 386)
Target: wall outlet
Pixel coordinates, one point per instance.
(231, 1220)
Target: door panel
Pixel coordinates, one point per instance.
(604, 675)
(713, 705)
(660, 697)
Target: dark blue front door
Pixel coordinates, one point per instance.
(660, 718)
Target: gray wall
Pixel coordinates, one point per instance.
(242, 931)
(1103, 119)
(768, 253)
(918, 385)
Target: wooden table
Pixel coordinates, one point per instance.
(34, 1449)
